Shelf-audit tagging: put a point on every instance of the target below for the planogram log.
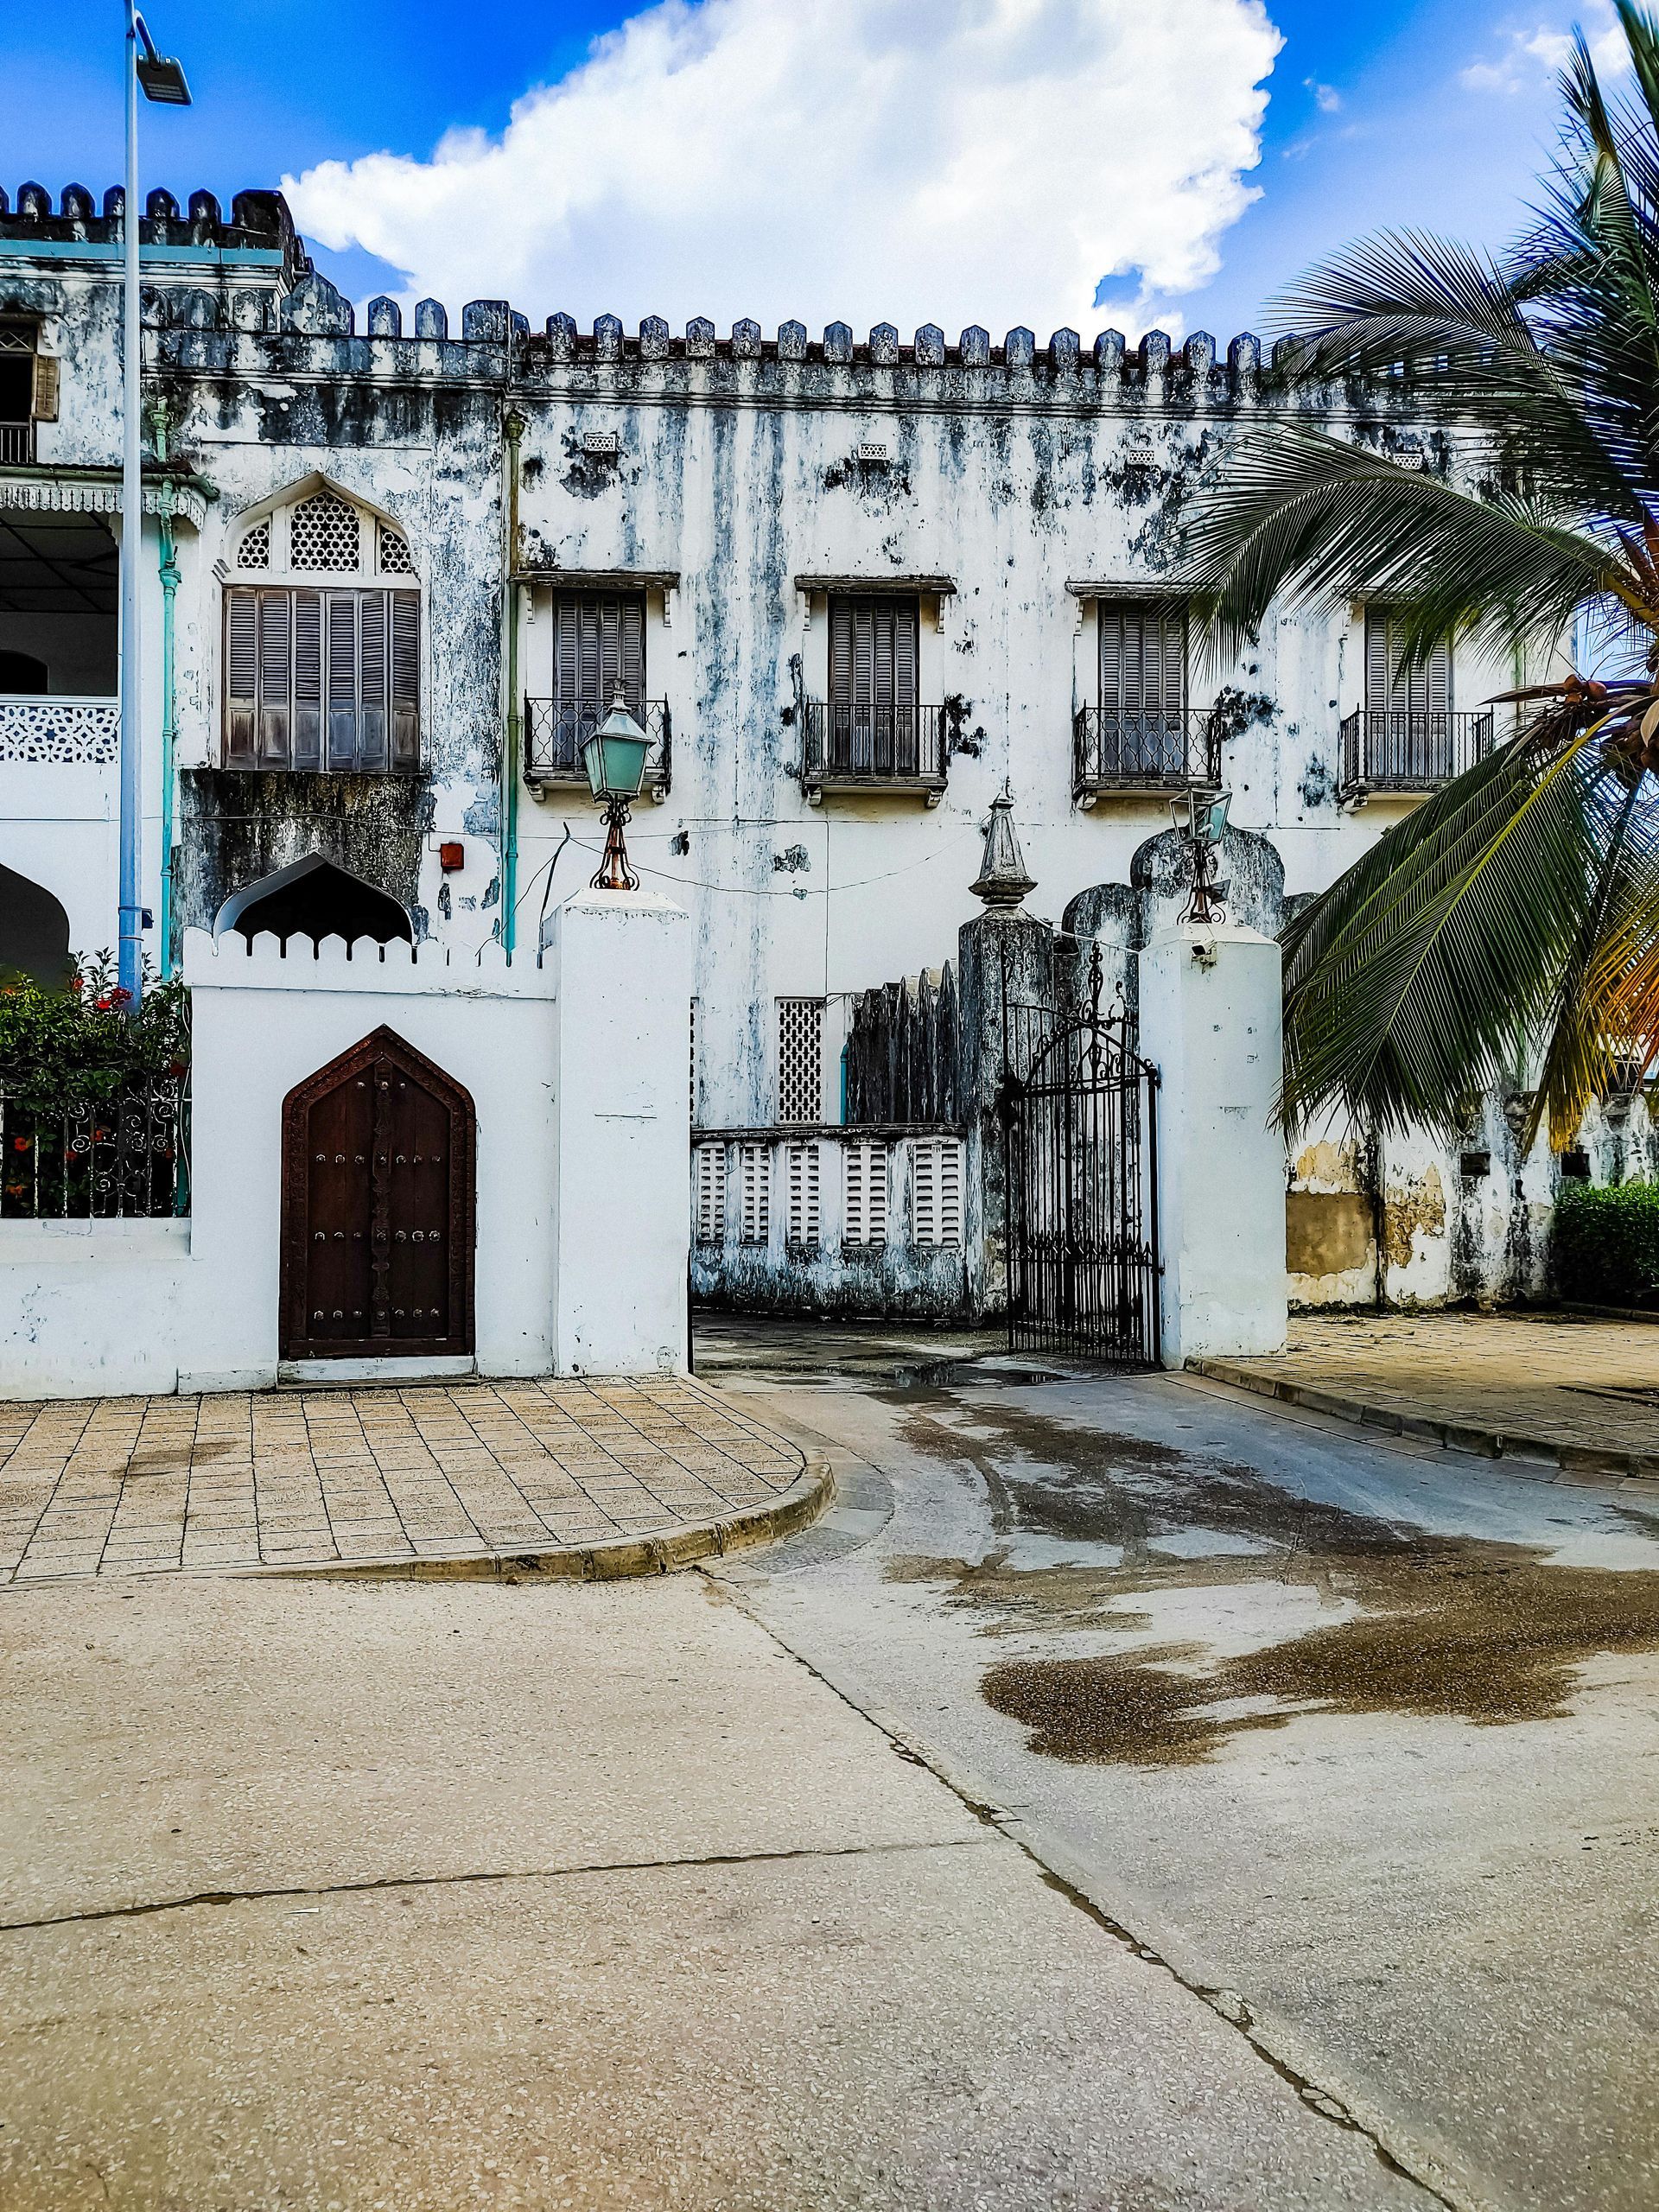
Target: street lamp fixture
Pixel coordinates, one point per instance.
(614, 756)
(161, 78)
(1200, 819)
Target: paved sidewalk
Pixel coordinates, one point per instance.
(1585, 1392)
(299, 1478)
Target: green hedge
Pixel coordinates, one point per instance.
(1607, 1243)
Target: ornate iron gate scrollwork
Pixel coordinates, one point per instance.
(1080, 1159)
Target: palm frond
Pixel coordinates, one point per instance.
(1408, 981)
(1324, 520)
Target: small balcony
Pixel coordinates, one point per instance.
(850, 746)
(1168, 749)
(1409, 751)
(557, 729)
(16, 444)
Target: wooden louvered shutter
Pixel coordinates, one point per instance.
(863, 652)
(405, 686)
(841, 650)
(1171, 689)
(906, 625)
(567, 622)
(1111, 659)
(241, 676)
(340, 631)
(275, 647)
(374, 643)
(43, 401)
(631, 655)
(1379, 661)
(307, 746)
(589, 656)
(1439, 677)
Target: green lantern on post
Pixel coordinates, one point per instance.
(614, 756)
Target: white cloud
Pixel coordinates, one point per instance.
(1327, 97)
(951, 161)
(1532, 49)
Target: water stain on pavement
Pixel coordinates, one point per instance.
(1452, 1627)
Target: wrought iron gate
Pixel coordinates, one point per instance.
(1080, 1159)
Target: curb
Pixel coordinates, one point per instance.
(1636, 1471)
(808, 1496)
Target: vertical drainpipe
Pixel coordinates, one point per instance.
(513, 426)
(170, 580)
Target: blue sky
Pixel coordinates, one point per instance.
(1436, 114)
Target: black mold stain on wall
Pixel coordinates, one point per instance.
(238, 826)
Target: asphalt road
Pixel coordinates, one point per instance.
(1365, 1739)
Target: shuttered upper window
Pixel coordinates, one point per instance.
(320, 676)
(872, 650)
(1418, 687)
(599, 648)
(322, 679)
(1142, 658)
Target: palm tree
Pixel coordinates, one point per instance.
(1521, 901)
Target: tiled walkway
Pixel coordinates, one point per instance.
(1579, 1384)
(136, 1485)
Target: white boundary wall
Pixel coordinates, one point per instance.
(576, 1065)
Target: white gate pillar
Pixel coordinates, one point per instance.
(1210, 998)
(623, 1138)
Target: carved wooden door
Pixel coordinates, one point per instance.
(377, 1208)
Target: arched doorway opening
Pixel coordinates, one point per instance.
(33, 932)
(314, 897)
(377, 1208)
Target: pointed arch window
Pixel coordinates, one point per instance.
(323, 676)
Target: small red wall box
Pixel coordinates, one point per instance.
(451, 855)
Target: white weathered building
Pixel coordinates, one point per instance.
(851, 586)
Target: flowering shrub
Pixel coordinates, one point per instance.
(83, 1043)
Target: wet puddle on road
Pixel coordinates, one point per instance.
(1083, 1521)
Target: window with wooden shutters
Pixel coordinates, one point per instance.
(864, 1202)
(800, 1060)
(874, 718)
(754, 1165)
(1142, 686)
(711, 1193)
(936, 1193)
(801, 1165)
(1393, 685)
(1408, 705)
(321, 674)
(599, 648)
(321, 679)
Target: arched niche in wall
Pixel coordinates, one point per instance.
(314, 897)
(34, 932)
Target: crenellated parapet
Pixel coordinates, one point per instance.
(303, 326)
(259, 223)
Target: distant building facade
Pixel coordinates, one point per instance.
(851, 587)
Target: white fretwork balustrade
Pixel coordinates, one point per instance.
(79, 732)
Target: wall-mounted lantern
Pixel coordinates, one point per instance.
(614, 756)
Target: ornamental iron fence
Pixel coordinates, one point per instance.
(125, 1157)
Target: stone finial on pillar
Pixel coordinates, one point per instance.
(1002, 880)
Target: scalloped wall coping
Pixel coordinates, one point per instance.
(230, 962)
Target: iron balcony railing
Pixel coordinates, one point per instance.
(557, 729)
(894, 746)
(16, 443)
(122, 1158)
(1165, 749)
(1414, 749)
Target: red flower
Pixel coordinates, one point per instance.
(76, 983)
(20, 1144)
(103, 1004)
(118, 996)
